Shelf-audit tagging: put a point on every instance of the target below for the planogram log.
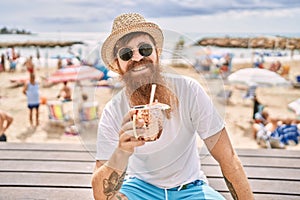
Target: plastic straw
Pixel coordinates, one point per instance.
(152, 93)
(134, 126)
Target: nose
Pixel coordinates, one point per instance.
(136, 55)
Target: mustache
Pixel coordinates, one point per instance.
(144, 61)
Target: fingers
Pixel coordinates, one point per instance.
(130, 131)
(128, 117)
(128, 141)
(138, 132)
(131, 124)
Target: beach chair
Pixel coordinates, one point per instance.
(88, 111)
(88, 115)
(57, 116)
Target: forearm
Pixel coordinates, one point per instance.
(236, 179)
(221, 149)
(107, 180)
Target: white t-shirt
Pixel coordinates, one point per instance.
(173, 159)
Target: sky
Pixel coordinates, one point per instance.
(213, 16)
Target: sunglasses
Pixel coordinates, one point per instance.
(144, 50)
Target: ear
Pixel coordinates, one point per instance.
(116, 67)
(158, 52)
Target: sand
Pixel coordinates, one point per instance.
(237, 112)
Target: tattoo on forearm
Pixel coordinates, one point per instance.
(113, 184)
(231, 189)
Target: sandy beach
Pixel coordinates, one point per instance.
(237, 112)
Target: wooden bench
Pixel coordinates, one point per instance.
(63, 171)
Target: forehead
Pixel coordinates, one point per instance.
(138, 40)
(134, 37)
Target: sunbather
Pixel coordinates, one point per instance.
(65, 92)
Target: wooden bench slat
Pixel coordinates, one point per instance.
(87, 156)
(92, 148)
(259, 173)
(87, 167)
(227, 196)
(46, 155)
(45, 193)
(262, 186)
(268, 153)
(47, 166)
(45, 179)
(260, 162)
(42, 146)
(260, 153)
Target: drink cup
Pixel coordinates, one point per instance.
(153, 116)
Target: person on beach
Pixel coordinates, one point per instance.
(29, 65)
(31, 90)
(65, 92)
(2, 63)
(169, 167)
(59, 63)
(5, 121)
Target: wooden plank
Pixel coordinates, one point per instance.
(29, 193)
(85, 147)
(46, 166)
(87, 157)
(263, 186)
(259, 173)
(87, 167)
(269, 153)
(42, 146)
(272, 153)
(227, 196)
(46, 155)
(70, 180)
(12, 193)
(260, 162)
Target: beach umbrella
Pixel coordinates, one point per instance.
(295, 106)
(261, 77)
(75, 74)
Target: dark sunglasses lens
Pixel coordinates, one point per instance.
(125, 54)
(145, 50)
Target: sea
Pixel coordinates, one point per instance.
(92, 41)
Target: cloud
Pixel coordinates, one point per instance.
(98, 15)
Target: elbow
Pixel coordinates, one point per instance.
(96, 186)
(232, 165)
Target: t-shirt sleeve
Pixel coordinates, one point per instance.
(205, 118)
(108, 133)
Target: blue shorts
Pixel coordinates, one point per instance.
(31, 106)
(136, 189)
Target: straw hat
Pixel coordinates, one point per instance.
(124, 24)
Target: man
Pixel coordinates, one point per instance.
(31, 90)
(5, 121)
(170, 166)
(65, 92)
(29, 65)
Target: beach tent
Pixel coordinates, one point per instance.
(75, 74)
(261, 77)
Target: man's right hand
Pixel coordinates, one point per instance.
(127, 141)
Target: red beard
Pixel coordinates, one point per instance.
(138, 88)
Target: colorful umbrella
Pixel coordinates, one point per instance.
(75, 74)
